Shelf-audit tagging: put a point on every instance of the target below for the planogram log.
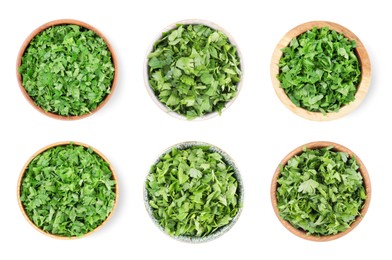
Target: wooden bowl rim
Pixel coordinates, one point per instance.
(65, 22)
(222, 230)
(63, 143)
(366, 183)
(159, 36)
(362, 87)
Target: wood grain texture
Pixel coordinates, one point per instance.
(366, 183)
(43, 150)
(64, 22)
(362, 87)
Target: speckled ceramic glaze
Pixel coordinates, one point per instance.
(219, 232)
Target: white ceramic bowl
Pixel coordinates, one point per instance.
(146, 73)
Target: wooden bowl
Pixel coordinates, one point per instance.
(65, 22)
(43, 150)
(362, 87)
(146, 73)
(222, 230)
(366, 183)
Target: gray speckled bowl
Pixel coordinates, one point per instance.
(151, 47)
(219, 232)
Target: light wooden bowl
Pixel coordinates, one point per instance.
(65, 22)
(362, 87)
(220, 231)
(43, 150)
(146, 73)
(366, 183)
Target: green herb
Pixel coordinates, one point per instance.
(67, 70)
(320, 191)
(68, 190)
(194, 70)
(319, 70)
(192, 192)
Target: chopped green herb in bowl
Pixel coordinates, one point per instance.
(67, 69)
(194, 192)
(67, 190)
(320, 70)
(193, 70)
(321, 191)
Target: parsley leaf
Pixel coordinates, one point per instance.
(308, 186)
(68, 190)
(67, 70)
(194, 70)
(320, 191)
(192, 191)
(319, 70)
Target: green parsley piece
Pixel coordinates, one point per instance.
(192, 192)
(194, 70)
(67, 70)
(68, 190)
(319, 70)
(320, 191)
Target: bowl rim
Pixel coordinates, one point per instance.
(360, 51)
(159, 36)
(222, 230)
(56, 23)
(366, 183)
(47, 147)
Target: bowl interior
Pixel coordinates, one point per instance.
(240, 191)
(366, 183)
(362, 87)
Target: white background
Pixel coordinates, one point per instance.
(257, 130)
